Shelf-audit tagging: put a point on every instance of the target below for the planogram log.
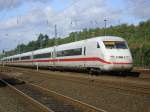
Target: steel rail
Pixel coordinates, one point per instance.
(28, 98)
(75, 103)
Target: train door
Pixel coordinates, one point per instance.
(84, 52)
(32, 58)
(84, 55)
(93, 50)
(100, 51)
(54, 56)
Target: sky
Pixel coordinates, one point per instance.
(23, 20)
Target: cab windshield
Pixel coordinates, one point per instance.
(115, 44)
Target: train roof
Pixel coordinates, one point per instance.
(69, 45)
(100, 38)
(44, 50)
(96, 39)
(25, 54)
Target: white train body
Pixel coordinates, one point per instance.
(106, 53)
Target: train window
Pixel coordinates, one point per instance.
(70, 52)
(121, 45)
(60, 53)
(115, 44)
(25, 57)
(98, 46)
(15, 59)
(45, 55)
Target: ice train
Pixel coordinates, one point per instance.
(104, 53)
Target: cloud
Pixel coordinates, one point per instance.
(138, 8)
(32, 17)
(9, 4)
(86, 14)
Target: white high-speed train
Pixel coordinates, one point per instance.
(105, 53)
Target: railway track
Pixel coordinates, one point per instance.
(46, 100)
(136, 88)
(26, 98)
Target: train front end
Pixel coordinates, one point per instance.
(117, 55)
